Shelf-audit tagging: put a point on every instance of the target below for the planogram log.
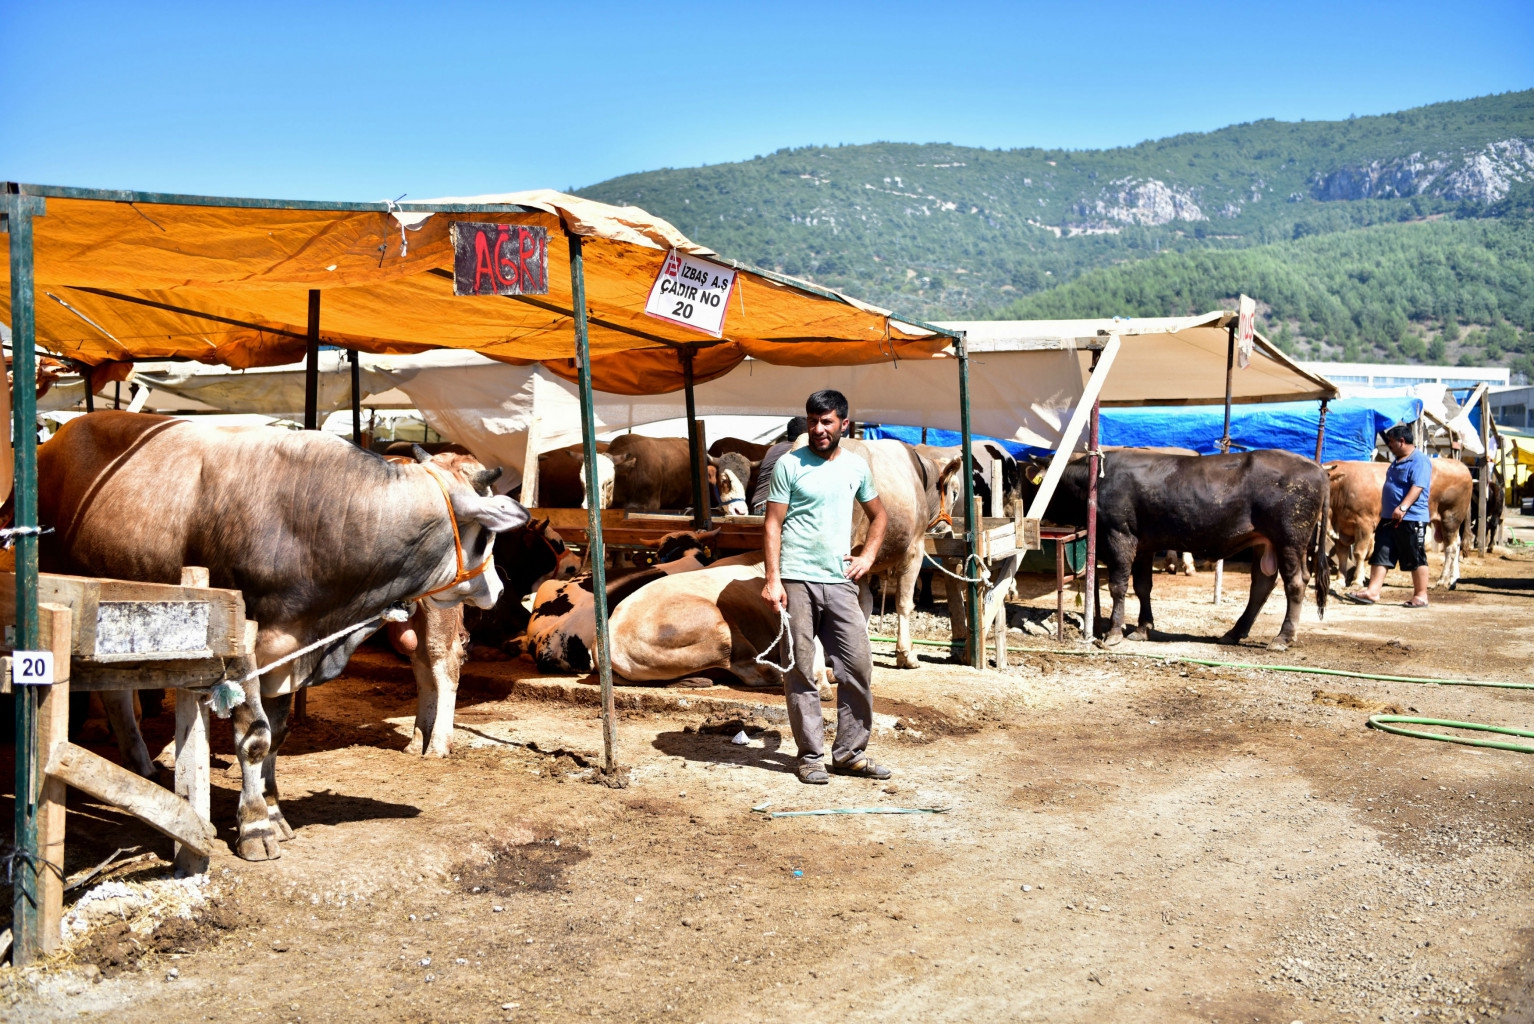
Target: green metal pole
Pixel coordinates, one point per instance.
(312, 365)
(19, 211)
(701, 517)
(595, 546)
(971, 568)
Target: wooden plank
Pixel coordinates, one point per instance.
(151, 804)
(52, 729)
(1029, 538)
(84, 595)
(193, 782)
(194, 576)
(530, 455)
(147, 675)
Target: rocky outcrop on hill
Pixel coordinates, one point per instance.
(1143, 201)
(1480, 176)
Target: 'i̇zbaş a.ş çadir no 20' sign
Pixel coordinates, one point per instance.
(500, 259)
(691, 292)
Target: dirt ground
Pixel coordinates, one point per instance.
(1122, 839)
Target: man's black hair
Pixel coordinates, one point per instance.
(1402, 433)
(796, 426)
(826, 401)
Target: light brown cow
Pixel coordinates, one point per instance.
(902, 482)
(1356, 493)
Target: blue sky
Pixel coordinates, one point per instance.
(368, 101)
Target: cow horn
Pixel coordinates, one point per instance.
(485, 477)
(421, 454)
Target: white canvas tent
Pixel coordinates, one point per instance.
(1030, 376)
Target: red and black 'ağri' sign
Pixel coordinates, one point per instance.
(500, 259)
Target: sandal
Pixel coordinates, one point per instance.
(812, 773)
(1358, 597)
(1413, 604)
(862, 767)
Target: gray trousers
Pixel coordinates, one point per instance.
(831, 612)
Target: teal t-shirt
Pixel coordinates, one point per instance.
(817, 532)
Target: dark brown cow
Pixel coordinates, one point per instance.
(1214, 506)
(561, 483)
(752, 450)
(317, 534)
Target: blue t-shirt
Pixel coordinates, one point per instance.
(817, 532)
(1416, 470)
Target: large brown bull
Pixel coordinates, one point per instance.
(1212, 505)
(316, 533)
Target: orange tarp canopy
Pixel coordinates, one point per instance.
(122, 276)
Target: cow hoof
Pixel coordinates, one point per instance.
(1111, 639)
(1230, 639)
(1140, 634)
(827, 694)
(437, 750)
(1278, 643)
(906, 659)
(260, 845)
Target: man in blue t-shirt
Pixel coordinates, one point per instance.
(1401, 537)
(812, 572)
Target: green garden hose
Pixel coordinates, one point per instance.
(1210, 663)
(1383, 723)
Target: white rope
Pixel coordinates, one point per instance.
(762, 659)
(230, 693)
(984, 579)
(8, 535)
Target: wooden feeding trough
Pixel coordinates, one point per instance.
(118, 635)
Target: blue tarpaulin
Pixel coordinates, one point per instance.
(1351, 427)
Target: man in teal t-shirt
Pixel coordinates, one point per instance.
(812, 572)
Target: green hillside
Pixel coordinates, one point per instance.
(1460, 292)
(948, 231)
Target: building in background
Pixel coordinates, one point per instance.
(1512, 407)
(1390, 375)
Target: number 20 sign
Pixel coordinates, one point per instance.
(691, 292)
(32, 668)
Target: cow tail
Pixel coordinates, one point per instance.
(1321, 562)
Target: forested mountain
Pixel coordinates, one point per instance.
(947, 231)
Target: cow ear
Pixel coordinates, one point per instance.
(421, 454)
(1035, 473)
(497, 514)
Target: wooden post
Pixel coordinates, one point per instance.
(596, 549)
(356, 396)
(1483, 477)
(52, 730)
(193, 783)
(975, 654)
(1230, 369)
(86, 374)
(192, 772)
(1094, 464)
(1000, 626)
(530, 456)
(1060, 591)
